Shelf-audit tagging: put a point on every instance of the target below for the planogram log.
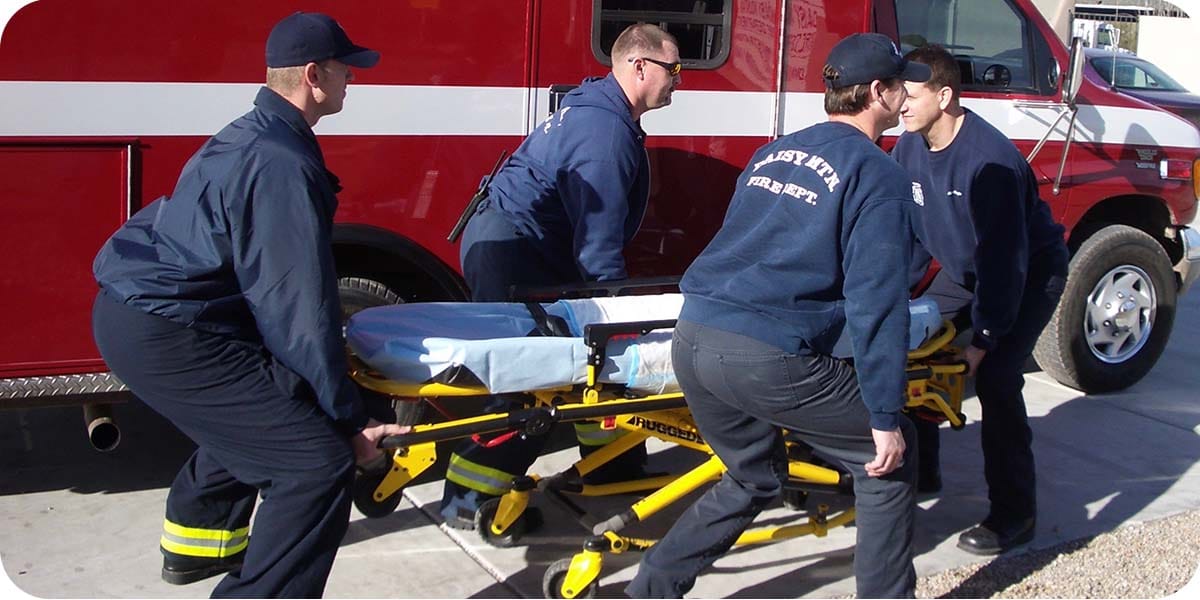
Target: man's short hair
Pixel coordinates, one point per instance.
(285, 79)
(853, 99)
(638, 39)
(943, 68)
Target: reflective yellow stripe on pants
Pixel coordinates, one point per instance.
(207, 543)
(590, 434)
(475, 476)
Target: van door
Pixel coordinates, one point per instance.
(1010, 76)
(697, 146)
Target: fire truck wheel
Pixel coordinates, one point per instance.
(1115, 314)
(358, 293)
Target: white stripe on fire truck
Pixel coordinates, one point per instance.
(200, 109)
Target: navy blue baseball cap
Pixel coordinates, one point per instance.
(302, 38)
(865, 57)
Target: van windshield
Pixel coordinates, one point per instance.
(1134, 74)
(990, 39)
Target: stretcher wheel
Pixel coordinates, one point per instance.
(556, 573)
(486, 513)
(363, 491)
(962, 419)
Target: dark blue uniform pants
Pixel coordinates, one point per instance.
(496, 256)
(1006, 438)
(259, 432)
(741, 392)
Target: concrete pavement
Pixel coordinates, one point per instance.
(81, 524)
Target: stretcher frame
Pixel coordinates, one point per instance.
(935, 390)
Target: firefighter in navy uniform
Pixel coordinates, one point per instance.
(815, 241)
(560, 212)
(218, 307)
(1003, 269)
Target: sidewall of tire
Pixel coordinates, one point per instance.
(1063, 350)
(360, 293)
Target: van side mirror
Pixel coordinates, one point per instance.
(1074, 77)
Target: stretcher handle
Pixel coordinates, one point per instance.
(918, 374)
(597, 335)
(593, 289)
(958, 366)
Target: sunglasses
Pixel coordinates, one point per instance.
(672, 68)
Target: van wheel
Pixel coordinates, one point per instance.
(359, 293)
(1115, 315)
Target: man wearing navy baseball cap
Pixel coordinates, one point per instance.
(865, 57)
(218, 307)
(821, 215)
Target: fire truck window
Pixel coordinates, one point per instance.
(701, 26)
(990, 38)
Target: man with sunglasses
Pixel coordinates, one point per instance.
(560, 212)
(218, 307)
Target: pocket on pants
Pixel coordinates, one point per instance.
(766, 382)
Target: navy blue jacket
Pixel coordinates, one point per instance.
(981, 217)
(816, 239)
(578, 185)
(242, 248)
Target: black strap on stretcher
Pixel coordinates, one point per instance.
(547, 325)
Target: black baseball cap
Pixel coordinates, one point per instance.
(865, 57)
(302, 38)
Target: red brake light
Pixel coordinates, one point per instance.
(1169, 168)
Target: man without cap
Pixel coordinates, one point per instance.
(218, 307)
(1003, 268)
(560, 212)
(815, 240)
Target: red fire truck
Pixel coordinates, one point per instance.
(104, 101)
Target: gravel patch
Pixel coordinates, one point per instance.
(1153, 559)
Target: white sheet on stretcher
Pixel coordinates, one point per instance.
(489, 343)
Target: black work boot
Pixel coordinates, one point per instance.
(991, 537)
(181, 570)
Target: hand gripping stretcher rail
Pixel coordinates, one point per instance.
(603, 360)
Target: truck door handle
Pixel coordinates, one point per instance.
(1038, 104)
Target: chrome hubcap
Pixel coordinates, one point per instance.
(1120, 314)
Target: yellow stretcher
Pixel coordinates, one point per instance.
(935, 389)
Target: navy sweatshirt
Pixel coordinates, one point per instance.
(980, 216)
(816, 239)
(242, 249)
(578, 185)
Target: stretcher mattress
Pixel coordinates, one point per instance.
(499, 346)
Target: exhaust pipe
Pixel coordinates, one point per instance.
(102, 430)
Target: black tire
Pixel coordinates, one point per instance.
(359, 293)
(556, 573)
(1114, 260)
(486, 514)
(363, 491)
